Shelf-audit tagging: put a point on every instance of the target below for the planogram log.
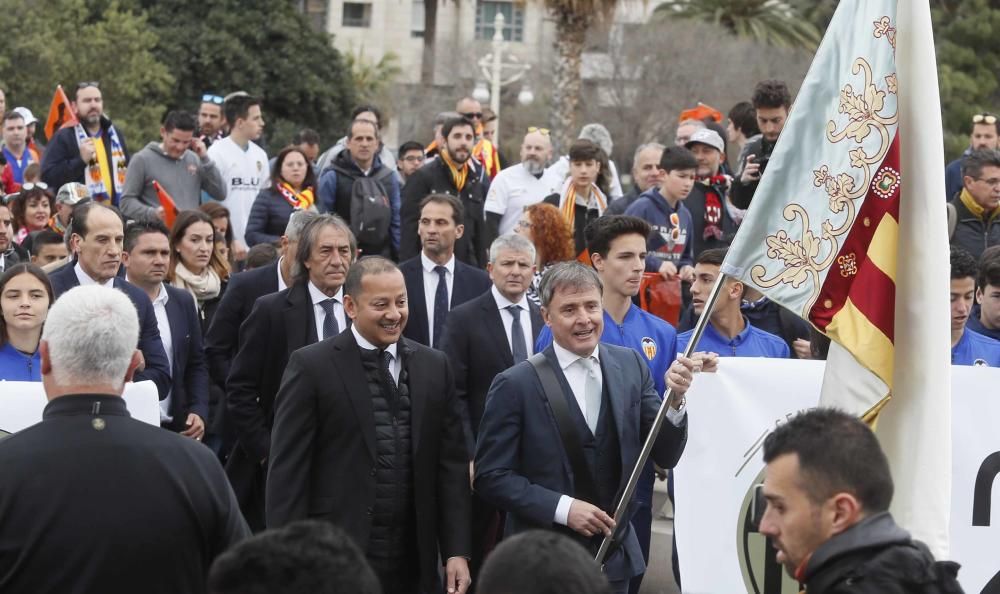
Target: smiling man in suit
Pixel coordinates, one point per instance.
(484, 337)
(367, 436)
(311, 309)
(435, 281)
(560, 456)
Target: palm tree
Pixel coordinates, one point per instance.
(777, 22)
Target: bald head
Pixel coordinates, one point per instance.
(469, 108)
(536, 151)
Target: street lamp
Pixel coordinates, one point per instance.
(493, 66)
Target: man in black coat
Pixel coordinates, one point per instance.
(121, 506)
(311, 309)
(483, 337)
(97, 235)
(451, 173)
(367, 436)
(435, 280)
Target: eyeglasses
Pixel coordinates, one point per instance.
(993, 181)
(542, 131)
(472, 115)
(209, 98)
(984, 118)
(32, 185)
(87, 84)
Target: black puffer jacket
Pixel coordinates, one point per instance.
(876, 556)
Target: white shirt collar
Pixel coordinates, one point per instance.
(429, 264)
(319, 296)
(281, 280)
(567, 358)
(504, 303)
(85, 279)
(364, 344)
(163, 297)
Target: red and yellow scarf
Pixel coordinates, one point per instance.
(459, 174)
(299, 200)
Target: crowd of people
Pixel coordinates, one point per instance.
(404, 371)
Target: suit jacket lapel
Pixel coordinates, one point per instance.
(536, 321)
(494, 327)
(348, 361)
(418, 305)
(300, 327)
(611, 369)
(177, 333)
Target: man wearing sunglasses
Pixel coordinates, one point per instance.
(210, 118)
(93, 152)
(985, 135)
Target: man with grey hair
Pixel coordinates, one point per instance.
(558, 407)
(645, 175)
(105, 514)
(312, 309)
(521, 185)
(482, 338)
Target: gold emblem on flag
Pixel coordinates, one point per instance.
(848, 265)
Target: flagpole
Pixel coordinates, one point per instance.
(647, 447)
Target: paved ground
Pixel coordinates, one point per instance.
(659, 577)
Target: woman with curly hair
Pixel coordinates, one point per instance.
(545, 226)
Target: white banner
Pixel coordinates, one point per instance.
(732, 411)
(22, 403)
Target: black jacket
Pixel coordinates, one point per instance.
(62, 164)
(323, 463)
(268, 218)
(190, 373)
(875, 556)
(435, 178)
(972, 233)
(121, 506)
(742, 193)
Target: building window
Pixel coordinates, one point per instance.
(513, 14)
(357, 14)
(315, 12)
(417, 26)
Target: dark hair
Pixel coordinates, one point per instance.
(17, 270)
(836, 453)
(583, 149)
(81, 212)
(304, 557)
(217, 211)
(363, 108)
(457, 208)
(136, 229)
(306, 136)
(367, 266)
(452, 123)
(261, 254)
(541, 562)
(43, 238)
(409, 145)
(989, 268)
(238, 107)
(771, 94)
(309, 181)
(974, 162)
(603, 230)
(354, 123)
(713, 257)
(179, 120)
(963, 264)
(744, 118)
(308, 238)
(19, 206)
(185, 219)
(677, 158)
(12, 115)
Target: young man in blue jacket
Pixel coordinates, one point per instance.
(967, 347)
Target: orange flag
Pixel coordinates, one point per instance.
(61, 113)
(701, 112)
(168, 204)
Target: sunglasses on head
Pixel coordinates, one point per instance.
(88, 84)
(473, 114)
(984, 118)
(542, 131)
(32, 185)
(209, 98)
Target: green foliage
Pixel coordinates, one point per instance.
(775, 22)
(373, 81)
(65, 41)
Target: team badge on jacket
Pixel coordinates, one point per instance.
(648, 347)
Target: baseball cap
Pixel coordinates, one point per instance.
(27, 115)
(709, 137)
(72, 194)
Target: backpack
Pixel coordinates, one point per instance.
(371, 209)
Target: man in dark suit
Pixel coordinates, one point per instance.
(483, 337)
(311, 309)
(121, 506)
(367, 436)
(608, 406)
(146, 255)
(435, 280)
(222, 338)
(96, 240)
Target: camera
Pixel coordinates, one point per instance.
(762, 161)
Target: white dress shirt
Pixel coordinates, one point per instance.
(394, 365)
(319, 313)
(85, 279)
(163, 324)
(508, 319)
(431, 280)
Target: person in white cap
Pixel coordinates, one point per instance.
(68, 196)
(713, 224)
(31, 125)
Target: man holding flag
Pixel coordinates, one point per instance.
(90, 151)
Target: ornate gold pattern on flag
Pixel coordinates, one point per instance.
(848, 265)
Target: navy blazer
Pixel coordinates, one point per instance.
(190, 372)
(521, 465)
(468, 284)
(157, 368)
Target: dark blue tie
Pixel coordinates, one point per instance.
(440, 304)
(330, 325)
(517, 346)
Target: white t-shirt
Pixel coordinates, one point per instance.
(245, 173)
(514, 188)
